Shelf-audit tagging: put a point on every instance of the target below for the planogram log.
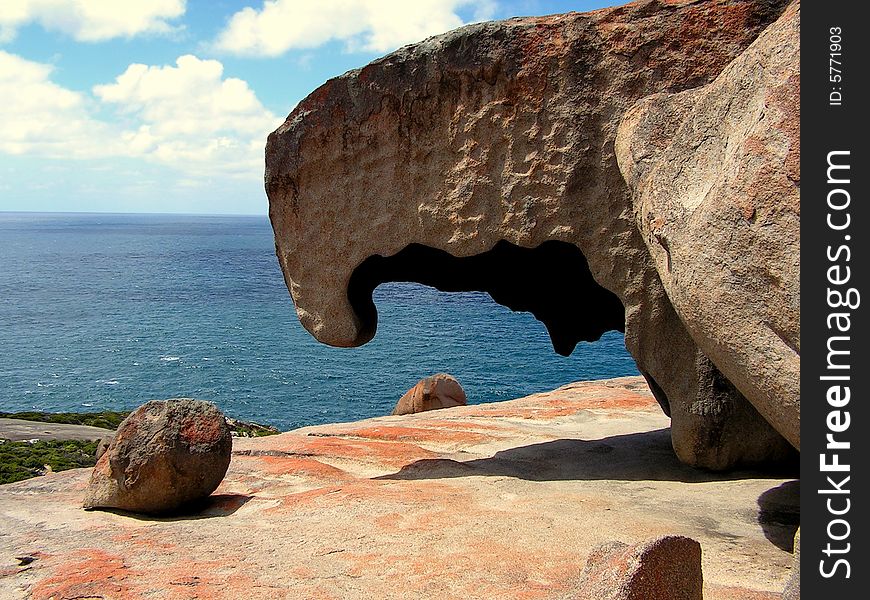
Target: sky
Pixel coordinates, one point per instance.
(163, 106)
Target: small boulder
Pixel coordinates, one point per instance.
(431, 393)
(664, 568)
(165, 455)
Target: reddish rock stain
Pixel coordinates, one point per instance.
(196, 432)
(89, 573)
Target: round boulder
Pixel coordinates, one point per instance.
(166, 454)
(431, 393)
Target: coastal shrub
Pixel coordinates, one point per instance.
(107, 419)
(22, 460)
(110, 419)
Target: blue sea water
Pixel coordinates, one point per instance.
(103, 311)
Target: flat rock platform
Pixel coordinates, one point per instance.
(490, 501)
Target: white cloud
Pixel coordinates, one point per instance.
(370, 25)
(91, 20)
(43, 118)
(188, 117)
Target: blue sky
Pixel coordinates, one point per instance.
(164, 105)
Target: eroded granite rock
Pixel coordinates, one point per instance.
(166, 454)
(377, 508)
(664, 568)
(455, 161)
(716, 178)
(431, 393)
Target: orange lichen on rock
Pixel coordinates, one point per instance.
(90, 573)
(422, 434)
(330, 512)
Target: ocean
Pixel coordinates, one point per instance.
(108, 311)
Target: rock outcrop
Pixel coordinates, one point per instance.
(431, 393)
(501, 500)
(165, 455)
(465, 160)
(715, 173)
(664, 568)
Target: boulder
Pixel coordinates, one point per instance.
(165, 455)
(664, 568)
(483, 159)
(511, 492)
(715, 178)
(431, 393)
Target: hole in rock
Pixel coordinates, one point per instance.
(551, 281)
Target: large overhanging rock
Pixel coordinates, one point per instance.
(716, 179)
(484, 159)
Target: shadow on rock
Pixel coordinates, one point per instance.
(216, 505)
(779, 514)
(630, 457)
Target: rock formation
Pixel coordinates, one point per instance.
(715, 173)
(665, 568)
(484, 159)
(488, 501)
(166, 454)
(431, 393)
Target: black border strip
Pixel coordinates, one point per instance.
(835, 227)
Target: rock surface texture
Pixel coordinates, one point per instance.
(431, 393)
(665, 568)
(715, 173)
(513, 495)
(792, 589)
(166, 454)
(484, 159)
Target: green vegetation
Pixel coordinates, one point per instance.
(107, 419)
(22, 460)
(257, 431)
(248, 429)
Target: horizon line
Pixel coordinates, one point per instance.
(98, 212)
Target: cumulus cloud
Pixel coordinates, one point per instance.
(187, 116)
(40, 117)
(369, 25)
(91, 20)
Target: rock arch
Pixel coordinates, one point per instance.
(552, 281)
(501, 135)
